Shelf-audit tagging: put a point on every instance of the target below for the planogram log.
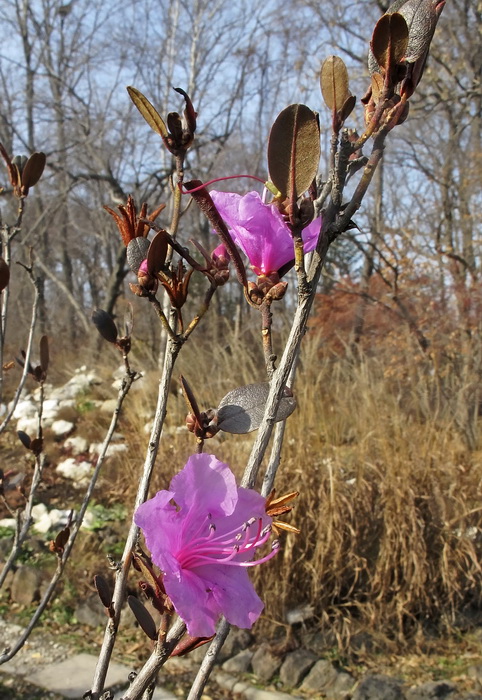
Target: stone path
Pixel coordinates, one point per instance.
(51, 666)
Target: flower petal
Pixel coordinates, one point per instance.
(260, 230)
(202, 594)
(205, 487)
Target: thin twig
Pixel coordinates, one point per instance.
(28, 351)
(118, 597)
(156, 660)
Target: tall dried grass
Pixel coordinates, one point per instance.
(389, 505)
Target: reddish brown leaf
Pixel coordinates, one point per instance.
(294, 150)
(389, 41)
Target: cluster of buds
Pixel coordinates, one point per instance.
(178, 135)
(203, 424)
(398, 53)
(39, 372)
(23, 172)
(267, 287)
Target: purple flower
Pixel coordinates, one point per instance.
(260, 231)
(203, 534)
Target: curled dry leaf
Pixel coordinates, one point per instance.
(103, 589)
(148, 111)
(4, 274)
(137, 253)
(241, 410)
(105, 325)
(24, 439)
(143, 617)
(294, 150)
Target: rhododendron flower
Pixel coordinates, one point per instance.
(260, 231)
(203, 534)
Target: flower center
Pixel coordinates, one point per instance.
(232, 548)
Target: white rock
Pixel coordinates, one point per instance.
(51, 406)
(96, 447)
(28, 425)
(45, 520)
(109, 406)
(62, 427)
(89, 521)
(8, 522)
(25, 409)
(77, 471)
(77, 444)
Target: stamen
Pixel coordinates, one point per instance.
(225, 548)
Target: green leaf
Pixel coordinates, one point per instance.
(150, 113)
(294, 150)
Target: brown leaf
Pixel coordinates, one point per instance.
(190, 399)
(103, 589)
(347, 108)
(334, 83)
(294, 150)
(24, 439)
(389, 41)
(156, 255)
(32, 171)
(105, 325)
(377, 86)
(143, 617)
(150, 113)
(4, 274)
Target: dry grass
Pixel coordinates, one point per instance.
(389, 503)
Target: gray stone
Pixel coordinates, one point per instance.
(237, 640)
(73, 677)
(341, 688)
(264, 663)
(322, 676)
(7, 584)
(91, 612)
(25, 587)
(300, 614)
(247, 691)
(432, 690)
(6, 542)
(379, 687)
(295, 667)
(239, 663)
(475, 672)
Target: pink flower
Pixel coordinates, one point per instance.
(203, 534)
(260, 231)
